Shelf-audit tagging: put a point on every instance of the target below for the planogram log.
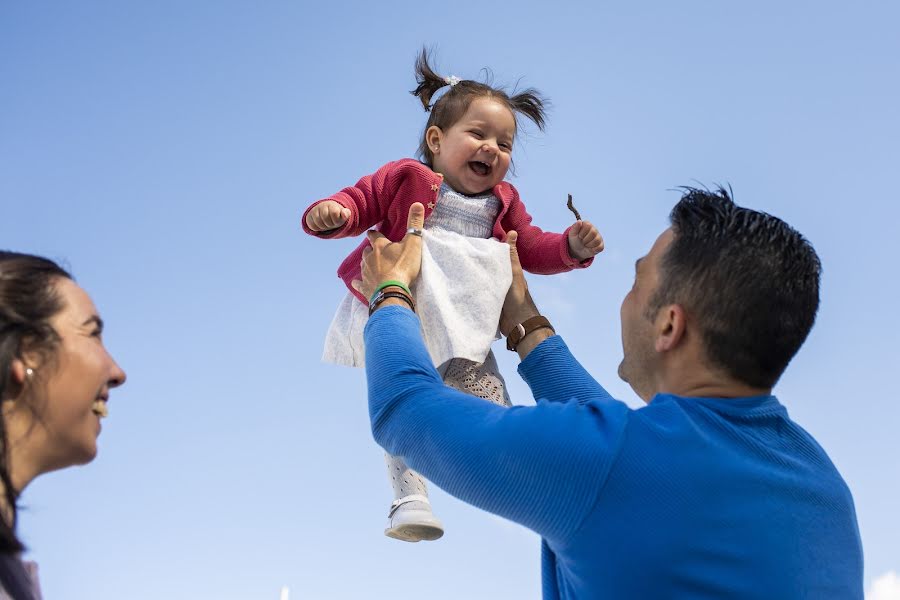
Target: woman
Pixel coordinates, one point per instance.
(55, 378)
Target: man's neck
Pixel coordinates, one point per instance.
(716, 389)
(705, 383)
(687, 372)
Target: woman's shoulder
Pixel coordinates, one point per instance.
(18, 578)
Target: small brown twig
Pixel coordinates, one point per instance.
(571, 207)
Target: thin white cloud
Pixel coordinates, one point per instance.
(885, 587)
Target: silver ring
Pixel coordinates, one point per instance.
(414, 231)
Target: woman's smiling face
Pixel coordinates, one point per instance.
(74, 390)
(474, 153)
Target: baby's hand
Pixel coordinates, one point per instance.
(584, 240)
(327, 215)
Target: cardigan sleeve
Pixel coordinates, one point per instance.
(540, 466)
(541, 252)
(368, 202)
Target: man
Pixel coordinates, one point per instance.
(709, 491)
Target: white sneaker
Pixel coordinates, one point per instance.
(411, 520)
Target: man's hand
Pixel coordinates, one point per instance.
(385, 260)
(518, 305)
(584, 240)
(327, 215)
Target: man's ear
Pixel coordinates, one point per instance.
(433, 137)
(670, 325)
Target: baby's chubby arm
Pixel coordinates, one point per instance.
(326, 216)
(546, 253)
(356, 208)
(584, 240)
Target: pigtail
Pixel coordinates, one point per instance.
(532, 105)
(429, 81)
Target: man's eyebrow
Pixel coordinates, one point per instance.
(96, 320)
(637, 263)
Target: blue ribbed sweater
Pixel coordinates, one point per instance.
(682, 498)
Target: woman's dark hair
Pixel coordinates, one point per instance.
(28, 299)
(450, 107)
(749, 279)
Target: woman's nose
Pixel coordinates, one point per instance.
(117, 376)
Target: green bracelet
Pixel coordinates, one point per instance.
(389, 283)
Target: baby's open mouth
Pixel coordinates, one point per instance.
(480, 168)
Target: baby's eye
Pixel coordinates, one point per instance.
(505, 146)
(477, 133)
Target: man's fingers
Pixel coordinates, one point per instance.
(416, 217)
(511, 238)
(374, 236)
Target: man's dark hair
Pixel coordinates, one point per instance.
(749, 279)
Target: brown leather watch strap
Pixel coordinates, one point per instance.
(524, 328)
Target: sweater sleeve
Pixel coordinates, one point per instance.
(368, 202)
(541, 252)
(554, 374)
(540, 466)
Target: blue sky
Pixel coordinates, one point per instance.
(165, 152)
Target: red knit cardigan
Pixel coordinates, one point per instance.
(383, 199)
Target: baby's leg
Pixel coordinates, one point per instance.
(481, 380)
(404, 480)
(410, 518)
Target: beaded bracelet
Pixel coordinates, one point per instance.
(382, 295)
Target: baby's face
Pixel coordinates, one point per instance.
(473, 155)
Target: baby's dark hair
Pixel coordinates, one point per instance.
(450, 107)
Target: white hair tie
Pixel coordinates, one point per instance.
(452, 80)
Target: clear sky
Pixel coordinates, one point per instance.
(166, 150)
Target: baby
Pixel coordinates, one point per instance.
(466, 151)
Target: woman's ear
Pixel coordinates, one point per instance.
(18, 371)
(433, 137)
